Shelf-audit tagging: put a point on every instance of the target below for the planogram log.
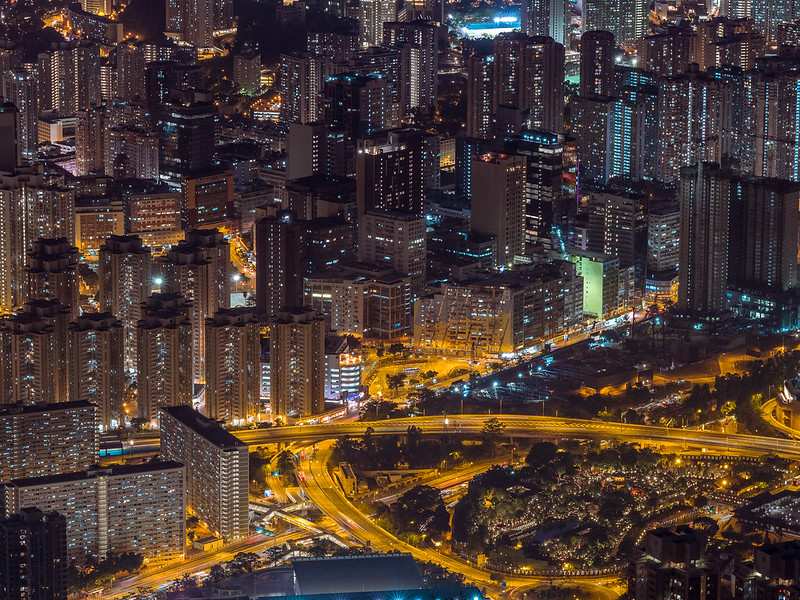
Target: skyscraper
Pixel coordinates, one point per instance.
(96, 358)
(373, 14)
(612, 224)
(199, 268)
(125, 273)
(69, 77)
(217, 469)
(547, 17)
(704, 195)
(297, 363)
(498, 198)
(390, 175)
(33, 556)
(233, 365)
(164, 348)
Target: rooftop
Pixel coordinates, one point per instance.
(208, 429)
(348, 574)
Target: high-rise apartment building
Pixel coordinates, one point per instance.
(47, 439)
(301, 79)
(547, 18)
(96, 359)
(164, 349)
(529, 76)
(233, 365)
(21, 89)
(247, 72)
(419, 63)
(669, 50)
(498, 200)
(612, 224)
(663, 238)
(358, 105)
(480, 92)
(390, 174)
(281, 263)
(626, 19)
(692, 121)
(199, 268)
(132, 153)
(297, 363)
(125, 274)
(217, 469)
(10, 149)
(207, 199)
(704, 195)
(33, 556)
(372, 15)
(130, 508)
(52, 272)
(69, 77)
(397, 240)
(597, 64)
(90, 140)
(763, 233)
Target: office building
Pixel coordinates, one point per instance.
(33, 556)
(47, 439)
(419, 64)
(545, 207)
(131, 508)
(498, 199)
(504, 313)
(608, 289)
(704, 196)
(21, 89)
(597, 64)
(207, 199)
(480, 92)
(529, 76)
(395, 240)
(96, 372)
(217, 470)
(186, 131)
(125, 274)
(199, 268)
(391, 307)
(52, 272)
(547, 18)
(297, 363)
(164, 349)
(626, 19)
(233, 354)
